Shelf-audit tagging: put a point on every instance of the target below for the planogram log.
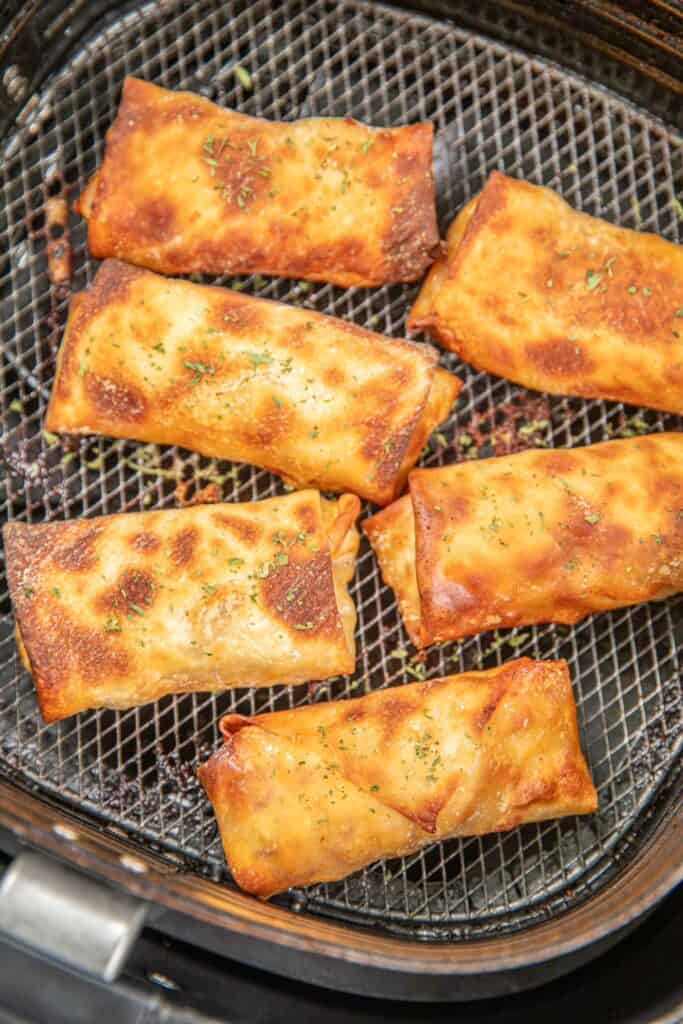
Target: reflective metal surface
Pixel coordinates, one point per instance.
(54, 910)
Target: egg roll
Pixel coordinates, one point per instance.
(540, 536)
(320, 401)
(556, 300)
(186, 186)
(120, 610)
(312, 794)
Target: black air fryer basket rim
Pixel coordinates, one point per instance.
(226, 916)
(644, 866)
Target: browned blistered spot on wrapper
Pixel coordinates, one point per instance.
(115, 399)
(183, 546)
(78, 555)
(146, 542)
(559, 357)
(245, 531)
(132, 593)
(301, 595)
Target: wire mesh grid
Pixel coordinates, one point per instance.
(493, 107)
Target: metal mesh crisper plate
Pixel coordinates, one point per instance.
(492, 107)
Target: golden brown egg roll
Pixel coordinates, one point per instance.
(556, 300)
(540, 536)
(312, 794)
(320, 401)
(119, 610)
(186, 186)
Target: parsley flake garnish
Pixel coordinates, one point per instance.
(635, 205)
(416, 669)
(199, 369)
(593, 279)
(592, 517)
(243, 196)
(260, 358)
(518, 640)
(243, 77)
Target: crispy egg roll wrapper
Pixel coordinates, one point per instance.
(320, 401)
(312, 794)
(556, 300)
(186, 186)
(540, 536)
(119, 610)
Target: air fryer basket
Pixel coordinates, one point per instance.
(131, 774)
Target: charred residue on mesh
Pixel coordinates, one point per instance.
(524, 421)
(58, 244)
